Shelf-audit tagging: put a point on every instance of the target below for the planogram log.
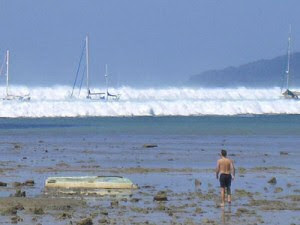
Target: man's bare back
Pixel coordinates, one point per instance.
(225, 166)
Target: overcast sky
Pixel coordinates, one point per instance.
(144, 42)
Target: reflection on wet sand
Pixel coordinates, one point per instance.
(226, 214)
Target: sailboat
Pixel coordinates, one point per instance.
(9, 96)
(288, 94)
(92, 95)
(109, 96)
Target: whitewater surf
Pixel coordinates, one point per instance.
(174, 101)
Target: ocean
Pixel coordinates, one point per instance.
(256, 134)
(241, 125)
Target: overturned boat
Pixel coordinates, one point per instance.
(90, 182)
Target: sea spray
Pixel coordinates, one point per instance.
(174, 101)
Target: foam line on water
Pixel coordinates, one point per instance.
(56, 102)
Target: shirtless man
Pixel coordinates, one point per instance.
(226, 170)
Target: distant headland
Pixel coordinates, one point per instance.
(261, 73)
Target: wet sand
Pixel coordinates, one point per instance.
(182, 173)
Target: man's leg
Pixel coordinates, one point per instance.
(222, 196)
(228, 185)
(229, 195)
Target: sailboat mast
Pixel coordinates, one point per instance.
(288, 58)
(7, 70)
(87, 63)
(106, 81)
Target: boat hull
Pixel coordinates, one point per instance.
(90, 182)
(291, 94)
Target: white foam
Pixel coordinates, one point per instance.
(56, 102)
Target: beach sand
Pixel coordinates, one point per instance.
(184, 173)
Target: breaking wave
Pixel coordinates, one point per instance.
(56, 102)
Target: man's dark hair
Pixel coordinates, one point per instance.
(223, 152)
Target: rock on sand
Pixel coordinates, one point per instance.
(272, 180)
(150, 145)
(86, 221)
(161, 196)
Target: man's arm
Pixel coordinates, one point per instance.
(232, 169)
(217, 169)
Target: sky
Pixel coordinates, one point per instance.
(144, 42)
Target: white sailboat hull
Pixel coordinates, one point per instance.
(90, 182)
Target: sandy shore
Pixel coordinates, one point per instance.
(191, 190)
